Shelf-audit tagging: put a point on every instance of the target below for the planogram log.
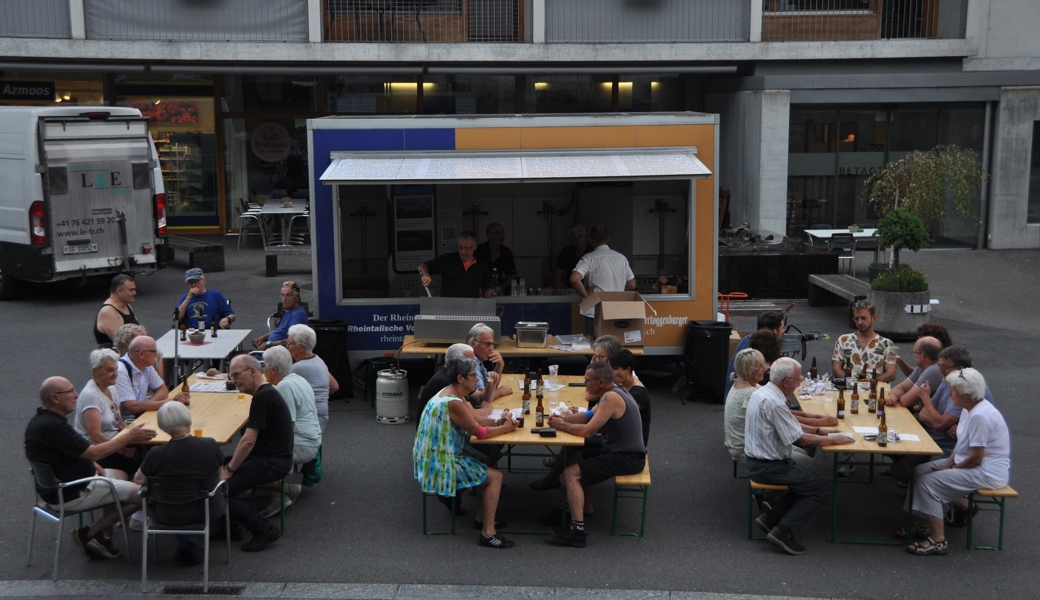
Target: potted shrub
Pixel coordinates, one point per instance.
(908, 196)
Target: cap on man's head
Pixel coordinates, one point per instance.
(193, 275)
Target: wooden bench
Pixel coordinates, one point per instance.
(272, 253)
(632, 486)
(757, 489)
(823, 289)
(992, 498)
(202, 254)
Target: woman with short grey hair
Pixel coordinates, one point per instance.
(97, 414)
(749, 366)
(980, 460)
(184, 457)
(300, 342)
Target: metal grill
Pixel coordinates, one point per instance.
(423, 21)
(619, 21)
(35, 19)
(180, 20)
(842, 20)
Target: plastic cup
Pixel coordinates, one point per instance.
(241, 397)
(890, 356)
(196, 427)
(198, 432)
(554, 370)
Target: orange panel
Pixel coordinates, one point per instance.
(494, 138)
(671, 135)
(540, 138)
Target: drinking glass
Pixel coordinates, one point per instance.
(890, 356)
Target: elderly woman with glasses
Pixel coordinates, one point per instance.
(294, 314)
(310, 366)
(980, 460)
(97, 415)
(441, 465)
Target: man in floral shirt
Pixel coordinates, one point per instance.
(866, 348)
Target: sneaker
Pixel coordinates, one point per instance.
(136, 522)
(79, 537)
(846, 470)
(496, 541)
(785, 539)
(188, 555)
(293, 490)
(103, 547)
(554, 518)
(275, 507)
(568, 537)
(766, 522)
(262, 540)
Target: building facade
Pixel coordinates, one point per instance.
(813, 95)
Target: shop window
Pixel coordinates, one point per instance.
(567, 94)
(264, 159)
(469, 94)
(652, 93)
(269, 93)
(21, 88)
(372, 93)
(1034, 177)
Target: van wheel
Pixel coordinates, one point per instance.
(8, 287)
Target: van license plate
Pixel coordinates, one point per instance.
(80, 249)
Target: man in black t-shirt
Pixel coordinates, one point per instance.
(263, 455)
(50, 441)
(463, 275)
(498, 256)
(569, 257)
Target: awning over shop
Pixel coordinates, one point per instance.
(512, 166)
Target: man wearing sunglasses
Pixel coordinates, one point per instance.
(294, 314)
(463, 275)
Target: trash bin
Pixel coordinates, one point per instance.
(332, 348)
(706, 353)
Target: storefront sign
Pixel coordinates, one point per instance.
(270, 142)
(27, 90)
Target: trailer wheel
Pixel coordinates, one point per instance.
(8, 287)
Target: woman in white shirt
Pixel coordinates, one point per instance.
(980, 460)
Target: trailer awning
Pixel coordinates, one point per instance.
(513, 166)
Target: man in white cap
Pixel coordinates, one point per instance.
(199, 308)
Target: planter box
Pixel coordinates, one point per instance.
(894, 320)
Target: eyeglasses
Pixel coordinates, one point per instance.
(234, 374)
(153, 351)
(943, 367)
(490, 344)
(467, 248)
(68, 391)
(916, 352)
(291, 284)
(473, 375)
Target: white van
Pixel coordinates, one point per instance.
(81, 194)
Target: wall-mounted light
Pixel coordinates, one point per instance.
(401, 87)
(541, 85)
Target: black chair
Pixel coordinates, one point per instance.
(845, 243)
(183, 491)
(45, 479)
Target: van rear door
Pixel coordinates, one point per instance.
(99, 193)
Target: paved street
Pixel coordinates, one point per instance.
(360, 530)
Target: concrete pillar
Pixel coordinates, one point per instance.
(756, 21)
(538, 21)
(77, 20)
(1009, 196)
(314, 25)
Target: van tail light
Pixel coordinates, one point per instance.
(37, 226)
(160, 214)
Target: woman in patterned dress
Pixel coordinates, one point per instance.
(441, 465)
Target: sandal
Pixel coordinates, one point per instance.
(933, 547)
(917, 531)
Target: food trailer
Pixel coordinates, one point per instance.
(389, 193)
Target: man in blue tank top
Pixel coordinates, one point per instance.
(617, 416)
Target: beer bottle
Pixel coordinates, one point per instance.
(882, 430)
(854, 399)
(873, 381)
(532, 380)
(541, 383)
(841, 404)
(184, 385)
(184, 332)
(813, 373)
(881, 404)
(539, 414)
(526, 400)
(872, 398)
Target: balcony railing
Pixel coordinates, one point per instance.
(423, 21)
(183, 20)
(35, 19)
(613, 21)
(839, 20)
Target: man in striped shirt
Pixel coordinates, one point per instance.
(770, 431)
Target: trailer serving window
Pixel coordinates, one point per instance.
(393, 211)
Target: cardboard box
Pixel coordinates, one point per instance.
(620, 314)
(734, 339)
(661, 286)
